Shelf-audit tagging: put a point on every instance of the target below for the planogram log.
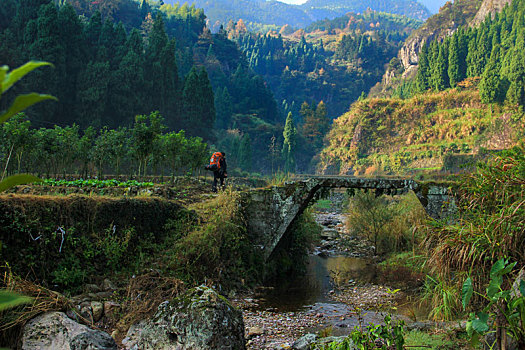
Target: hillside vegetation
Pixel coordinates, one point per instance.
(452, 15)
(258, 13)
(492, 51)
(428, 132)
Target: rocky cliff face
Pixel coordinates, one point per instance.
(488, 7)
(450, 17)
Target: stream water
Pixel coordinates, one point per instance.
(330, 271)
(323, 275)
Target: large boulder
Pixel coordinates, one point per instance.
(199, 319)
(54, 330)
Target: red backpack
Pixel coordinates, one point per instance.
(215, 161)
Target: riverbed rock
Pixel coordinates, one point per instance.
(111, 309)
(198, 319)
(255, 331)
(107, 285)
(329, 234)
(98, 310)
(515, 292)
(54, 330)
(304, 342)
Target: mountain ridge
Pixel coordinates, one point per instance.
(299, 16)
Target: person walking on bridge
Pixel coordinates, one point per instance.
(219, 167)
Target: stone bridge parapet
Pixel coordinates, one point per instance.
(271, 211)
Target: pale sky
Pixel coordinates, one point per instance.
(432, 5)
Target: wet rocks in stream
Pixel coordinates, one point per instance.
(337, 240)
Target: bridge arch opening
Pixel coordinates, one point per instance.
(271, 212)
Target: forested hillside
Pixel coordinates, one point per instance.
(321, 9)
(493, 51)
(467, 96)
(331, 60)
(260, 13)
(452, 15)
(114, 60)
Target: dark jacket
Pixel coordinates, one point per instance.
(223, 169)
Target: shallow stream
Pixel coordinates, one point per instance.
(340, 289)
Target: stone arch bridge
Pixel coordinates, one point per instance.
(270, 212)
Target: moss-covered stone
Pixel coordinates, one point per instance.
(199, 319)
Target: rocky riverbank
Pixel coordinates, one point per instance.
(347, 296)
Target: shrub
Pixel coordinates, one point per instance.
(387, 222)
(217, 249)
(491, 225)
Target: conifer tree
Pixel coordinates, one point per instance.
(198, 101)
(423, 70)
(490, 86)
(245, 153)
(93, 30)
(454, 70)
(128, 81)
(48, 47)
(439, 72)
(73, 41)
(224, 107)
(289, 144)
(516, 91)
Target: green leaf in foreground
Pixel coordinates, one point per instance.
(16, 180)
(22, 102)
(8, 79)
(466, 292)
(480, 324)
(10, 299)
(522, 287)
(497, 267)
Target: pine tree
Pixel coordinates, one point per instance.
(454, 64)
(74, 43)
(289, 144)
(128, 97)
(48, 47)
(224, 108)
(93, 85)
(245, 153)
(93, 30)
(516, 91)
(490, 86)
(423, 70)
(163, 79)
(198, 102)
(439, 73)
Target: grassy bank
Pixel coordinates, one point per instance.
(428, 133)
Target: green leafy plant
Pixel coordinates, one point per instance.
(387, 336)
(504, 310)
(21, 102)
(96, 183)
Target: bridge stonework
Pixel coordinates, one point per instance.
(270, 212)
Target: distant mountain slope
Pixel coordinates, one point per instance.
(451, 16)
(299, 16)
(320, 8)
(256, 11)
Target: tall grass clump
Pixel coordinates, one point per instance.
(217, 249)
(491, 224)
(389, 223)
